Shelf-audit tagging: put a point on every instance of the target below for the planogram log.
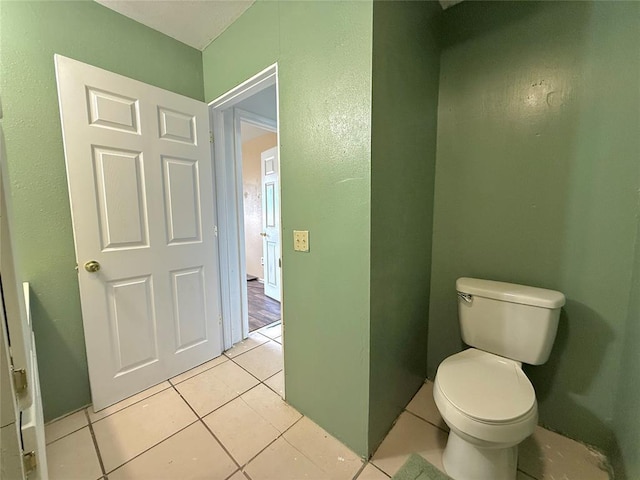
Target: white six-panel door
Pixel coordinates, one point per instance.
(141, 188)
(271, 222)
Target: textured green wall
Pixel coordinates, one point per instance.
(323, 50)
(627, 412)
(537, 183)
(31, 32)
(406, 61)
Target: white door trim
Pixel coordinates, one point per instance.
(228, 175)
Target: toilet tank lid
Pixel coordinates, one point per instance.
(511, 292)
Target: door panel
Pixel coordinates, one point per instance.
(114, 111)
(177, 126)
(189, 293)
(141, 188)
(133, 323)
(121, 198)
(182, 195)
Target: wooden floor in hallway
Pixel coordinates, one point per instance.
(263, 310)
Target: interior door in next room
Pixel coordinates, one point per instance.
(271, 222)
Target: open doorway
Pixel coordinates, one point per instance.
(263, 300)
(246, 146)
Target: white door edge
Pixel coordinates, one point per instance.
(235, 323)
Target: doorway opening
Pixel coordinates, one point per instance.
(246, 147)
(258, 141)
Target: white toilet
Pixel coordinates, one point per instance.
(482, 393)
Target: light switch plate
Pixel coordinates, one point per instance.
(301, 240)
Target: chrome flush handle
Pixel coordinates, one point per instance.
(466, 297)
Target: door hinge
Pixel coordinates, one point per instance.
(211, 137)
(215, 230)
(20, 380)
(280, 262)
(30, 461)
(220, 320)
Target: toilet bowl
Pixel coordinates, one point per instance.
(482, 393)
(490, 406)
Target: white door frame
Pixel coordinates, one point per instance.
(228, 185)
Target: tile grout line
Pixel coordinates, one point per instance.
(224, 354)
(152, 446)
(95, 443)
(305, 456)
(259, 381)
(235, 398)
(260, 415)
(364, 465)
(281, 435)
(527, 474)
(241, 467)
(170, 380)
(134, 403)
(219, 407)
(200, 419)
(379, 469)
(273, 390)
(246, 475)
(63, 436)
(424, 420)
(170, 385)
(248, 350)
(173, 385)
(55, 420)
(269, 339)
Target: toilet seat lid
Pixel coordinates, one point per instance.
(486, 387)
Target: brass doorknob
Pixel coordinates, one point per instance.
(92, 266)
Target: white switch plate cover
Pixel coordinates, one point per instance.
(301, 240)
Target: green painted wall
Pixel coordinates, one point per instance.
(406, 61)
(627, 412)
(536, 180)
(537, 183)
(30, 34)
(323, 50)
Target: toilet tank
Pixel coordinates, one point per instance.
(510, 320)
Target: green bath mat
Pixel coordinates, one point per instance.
(417, 468)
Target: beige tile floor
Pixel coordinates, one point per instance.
(226, 420)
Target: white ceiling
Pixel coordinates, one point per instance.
(194, 22)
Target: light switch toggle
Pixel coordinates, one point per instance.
(301, 240)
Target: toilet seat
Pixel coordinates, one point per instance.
(485, 387)
(485, 398)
